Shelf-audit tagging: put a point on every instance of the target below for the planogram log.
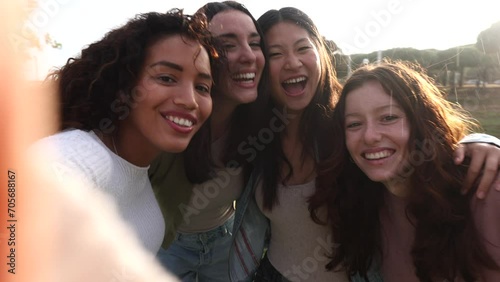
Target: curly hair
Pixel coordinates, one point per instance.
(446, 243)
(92, 87)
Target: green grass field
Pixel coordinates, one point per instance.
(482, 103)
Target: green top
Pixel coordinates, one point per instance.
(172, 190)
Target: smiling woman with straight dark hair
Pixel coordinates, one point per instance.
(210, 175)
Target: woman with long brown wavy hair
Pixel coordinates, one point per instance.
(392, 188)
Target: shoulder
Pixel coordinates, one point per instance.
(486, 214)
(164, 162)
(70, 144)
(490, 205)
(168, 168)
(72, 153)
(73, 140)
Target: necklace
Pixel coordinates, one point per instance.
(114, 145)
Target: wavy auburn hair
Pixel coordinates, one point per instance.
(446, 243)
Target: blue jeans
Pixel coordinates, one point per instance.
(200, 256)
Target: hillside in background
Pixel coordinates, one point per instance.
(451, 67)
(469, 74)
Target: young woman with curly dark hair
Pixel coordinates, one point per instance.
(144, 88)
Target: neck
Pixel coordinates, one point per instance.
(293, 147)
(303, 164)
(221, 118)
(292, 130)
(397, 188)
(125, 147)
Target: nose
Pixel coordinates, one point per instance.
(372, 134)
(247, 55)
(292, 62)
(186, 98)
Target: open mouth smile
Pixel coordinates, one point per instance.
(378, 155)
(180, 121)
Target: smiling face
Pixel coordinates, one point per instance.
(294, 65)
(377, 131)
(171, 98)
(244, 55)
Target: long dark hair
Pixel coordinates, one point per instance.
(92, 87)
(313, 129)
(244, 122)
(446, 243)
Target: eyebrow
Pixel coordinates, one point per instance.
(179, 68)
(234, 36)
(377, 109)
(295, 43)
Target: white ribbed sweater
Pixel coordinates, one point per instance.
(81, 154)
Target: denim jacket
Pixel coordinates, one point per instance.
(251, 229)
(250, 233)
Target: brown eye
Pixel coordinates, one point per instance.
(352, 124)
(203, 89)
(390, 118)
(165, 79)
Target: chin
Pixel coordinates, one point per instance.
(377, 178)
(380, 177)
(175, 148)
(248, 99)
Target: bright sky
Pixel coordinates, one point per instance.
(357, 26)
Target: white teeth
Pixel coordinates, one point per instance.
(244, 76)
(378, 155)
(294, 80)
(180, 121)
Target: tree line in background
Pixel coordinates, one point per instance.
(451, 67)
